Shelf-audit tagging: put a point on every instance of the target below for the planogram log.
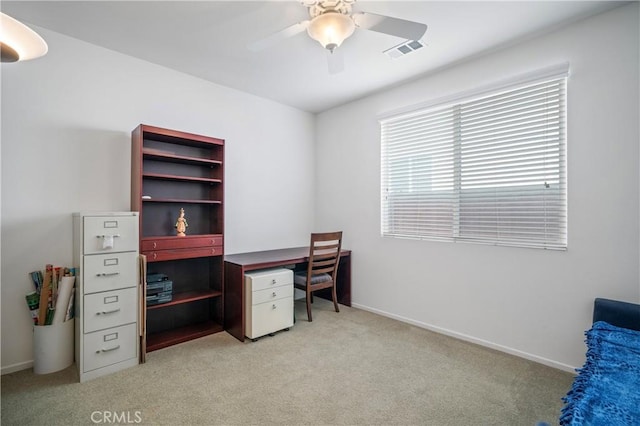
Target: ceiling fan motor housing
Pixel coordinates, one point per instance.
(317, 8)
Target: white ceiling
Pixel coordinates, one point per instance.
(208, 39)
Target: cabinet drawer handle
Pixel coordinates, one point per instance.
(105, 236)
(273, 294)
(155, 255)
(273, 282)
(113, 311)
(154, 244)
(213, 251)
(273, 306)
(108, 350)
(107, 274)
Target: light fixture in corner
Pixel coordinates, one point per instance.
(19, 42)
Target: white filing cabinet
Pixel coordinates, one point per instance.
(268, 301)
(105, 248)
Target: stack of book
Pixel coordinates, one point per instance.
(159, 289)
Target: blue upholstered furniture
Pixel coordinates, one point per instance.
(607, 389)
(614, 312)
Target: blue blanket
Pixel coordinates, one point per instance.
(607, 388)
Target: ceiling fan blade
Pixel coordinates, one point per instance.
(408, 30)
(335, 61)
(278, 36)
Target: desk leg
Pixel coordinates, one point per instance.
(343, 284)
(234, 300)
(343, 288)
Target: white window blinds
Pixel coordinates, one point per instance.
(487, 170)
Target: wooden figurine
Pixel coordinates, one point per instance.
(181, 224)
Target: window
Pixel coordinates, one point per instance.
(489, 169)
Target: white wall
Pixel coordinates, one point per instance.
(66, 133)
(534, 303)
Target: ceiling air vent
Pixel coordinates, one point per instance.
(404, 48)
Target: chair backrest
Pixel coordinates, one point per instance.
(324, 254)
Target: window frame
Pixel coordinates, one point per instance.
(557, 193)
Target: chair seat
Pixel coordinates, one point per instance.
(301, 278)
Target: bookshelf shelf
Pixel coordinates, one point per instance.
(180, 178)
(178, 200)
(164, 339)
(172, 158)
(187, 297)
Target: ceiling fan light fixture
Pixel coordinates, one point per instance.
(330, 29)
(19, 42)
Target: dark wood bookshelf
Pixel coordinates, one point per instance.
(173, 170)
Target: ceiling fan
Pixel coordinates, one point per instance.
(332, 21)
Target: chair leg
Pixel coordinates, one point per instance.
(309, 296)
(335, 298)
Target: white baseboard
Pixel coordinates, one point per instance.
(16, 367)
(471, 339)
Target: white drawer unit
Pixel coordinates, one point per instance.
(271, 294)
(103, 272)
(105, 248)
(106, 348)
(109, 309)
(268, 302)
(110, 234)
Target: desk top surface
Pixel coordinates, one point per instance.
(273, 257)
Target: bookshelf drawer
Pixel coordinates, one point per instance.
(168, 243)
(110, 271)
(109, 234)
(109, 309)
(106, 347)
(187, 253)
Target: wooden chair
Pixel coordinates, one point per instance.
(324, 256)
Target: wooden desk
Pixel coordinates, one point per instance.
(235, 266)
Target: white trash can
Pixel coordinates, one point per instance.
(53, 347)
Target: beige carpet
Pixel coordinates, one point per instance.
(347, 368)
